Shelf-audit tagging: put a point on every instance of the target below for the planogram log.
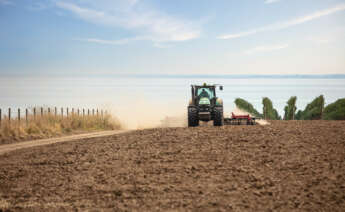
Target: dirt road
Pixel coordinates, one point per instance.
(26, 144)
(284, 166)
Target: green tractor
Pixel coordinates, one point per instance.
(205, 105)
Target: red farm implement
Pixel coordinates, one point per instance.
(239, 119)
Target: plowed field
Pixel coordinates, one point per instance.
(295, 165)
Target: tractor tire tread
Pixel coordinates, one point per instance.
(218, 117)
(193, 119)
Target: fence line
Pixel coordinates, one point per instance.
(18, 116)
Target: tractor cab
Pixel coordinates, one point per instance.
(204, 94)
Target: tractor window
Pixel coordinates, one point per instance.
(205, 92)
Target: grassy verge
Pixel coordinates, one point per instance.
(52, 126)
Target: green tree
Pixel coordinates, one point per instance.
(246, 106)
(276, 114)
(268, 111)
(286, 108)
(299, 115)
(290, 109)
(335, 111)
(313, 110)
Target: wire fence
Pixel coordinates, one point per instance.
(21, 116)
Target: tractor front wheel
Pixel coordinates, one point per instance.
(218, 117)
(193, 119)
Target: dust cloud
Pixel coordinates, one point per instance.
(140, 113)
(238, 111)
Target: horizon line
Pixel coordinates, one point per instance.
(215, 76)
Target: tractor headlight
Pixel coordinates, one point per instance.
(219, 101)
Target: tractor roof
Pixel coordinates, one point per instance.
(206, 85)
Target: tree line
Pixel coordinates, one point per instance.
(315, 110)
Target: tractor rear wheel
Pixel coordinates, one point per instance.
(218, 117)
(193, 119)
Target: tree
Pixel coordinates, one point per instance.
(313, 110)
(299, 115)
(335, 111)
(276, 114)
(290, 109)
(246, 106)
(286, 108)
(268, 111)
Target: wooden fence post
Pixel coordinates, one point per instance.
(93, 112)
(18, 125)
(19, 115)
(78, 111)
(83, 112)
(88, 112)
(67, 112)
(48, 111)
(97, 112)
(101, 113)
(72, 111)
(9, 115)
(41, 112)
(105, 113)
(34, 113)
(0, 117)
(55, 111)
(26, 116)
(62, 112)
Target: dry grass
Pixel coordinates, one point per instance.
(50, 126)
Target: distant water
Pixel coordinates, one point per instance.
(144, 97)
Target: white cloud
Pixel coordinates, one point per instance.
(110, 42)
(287, 24)
(106, 42)
(271, 1)
(148, 24)
(123, 41)
(269, 48)
(6, 2)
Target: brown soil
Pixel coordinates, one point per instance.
(40, 142)
(295, 165)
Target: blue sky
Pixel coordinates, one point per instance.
(87, 37)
